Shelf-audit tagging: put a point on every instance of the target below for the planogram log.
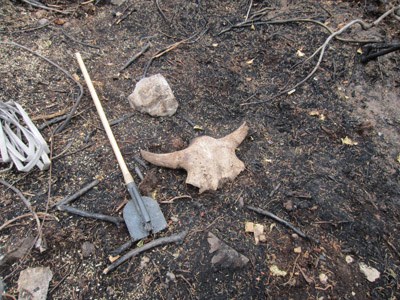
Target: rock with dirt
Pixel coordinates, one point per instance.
(33, 283)
(225, 256)
(154, 96)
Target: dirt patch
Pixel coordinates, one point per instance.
(345, 196)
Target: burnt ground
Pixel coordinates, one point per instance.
(346, 196)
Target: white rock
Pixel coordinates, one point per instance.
(154, 96)
(349, 259)
(372, 274)
(323, 278)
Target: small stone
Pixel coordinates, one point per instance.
(170, 277)
(323, 278)
(43, 21)
(144, 261)
(87, 249)
(41, 13)
(154, 96)
(288, 205)
(349, 259)
(33, 283)
(297, 250)
(295, 236)
(371, 273)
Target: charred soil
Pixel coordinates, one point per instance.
(298, 163)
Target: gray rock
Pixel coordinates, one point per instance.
(33, 283)
(154, 96)
(225, 256)
(117, 2)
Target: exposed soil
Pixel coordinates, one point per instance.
(345, 196)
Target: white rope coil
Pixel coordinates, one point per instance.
(20, 141)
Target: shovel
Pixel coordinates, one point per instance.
(142, 215)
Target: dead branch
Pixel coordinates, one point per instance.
(76, 211)
(371, 55)
(321, 51)
(78, 98)
(136, 56)
(76, 195)
(39, 5)
(283, 222)
(177, 238)
(171, 47)
(79, 42)
(41, 215)
(30, 208)
(175, 198)
(160, 11)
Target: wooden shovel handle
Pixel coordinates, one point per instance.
(125, 172)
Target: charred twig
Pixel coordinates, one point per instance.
(375, 54)
(283, 222)
(170, 48)
(136, 56)
(176, 198)
(177, 238)
(30, 208)
(39, 214)
(124, 16)
(248, 10)
(79, 42)
(119, 120)
(116, 220)
(161, 12)
(321, 51)
(38, 5)
(123, 248)
(78, 98)
(76, 195)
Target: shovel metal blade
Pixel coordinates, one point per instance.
(134, 220)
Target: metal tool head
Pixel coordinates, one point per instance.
(135, 222)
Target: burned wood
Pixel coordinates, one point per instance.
(116, 220)
(122, 248)
(372, 52)
(135, 57)
(76, 195)
(177, 238)
(283, 222)
(160, 11)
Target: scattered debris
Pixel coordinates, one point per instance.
(275, 271)
(258, 230)
(154, 96)
(225, 256)
(348, 141)
(316, 113)
(371, 273)
(33, 283)
(208, 161)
